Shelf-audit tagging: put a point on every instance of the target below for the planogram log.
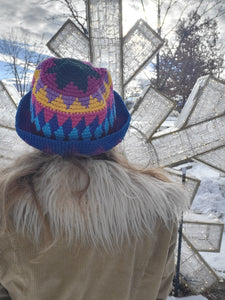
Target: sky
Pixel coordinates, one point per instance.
(30, 15)
(38, 16)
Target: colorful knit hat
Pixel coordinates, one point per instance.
(71, 109)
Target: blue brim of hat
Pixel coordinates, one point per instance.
(28, 132)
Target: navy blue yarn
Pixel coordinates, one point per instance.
(26, 130)
(72, 70)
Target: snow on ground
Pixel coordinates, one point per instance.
(210, 198)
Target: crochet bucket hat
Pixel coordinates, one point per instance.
(71, 109)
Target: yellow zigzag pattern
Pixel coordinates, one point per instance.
(76, 107)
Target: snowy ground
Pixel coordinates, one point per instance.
(210, 198)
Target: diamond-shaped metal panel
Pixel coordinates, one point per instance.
(198, 133)
(105, 42)
(7, 108)
(69, 41)
(203, 231)
(125, 58)
(194, 269)
(11, 145)
(215, 158)
(191, 184)
(174, 146)
(149, 113)
(206, 101)
(140, 45)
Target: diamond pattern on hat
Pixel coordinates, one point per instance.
(71, 116)
(85, 130)
(78, 102)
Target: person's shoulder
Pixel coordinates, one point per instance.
(152, 196)
(129, 201)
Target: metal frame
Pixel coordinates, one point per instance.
(177, 174)
(60, 31)
(149, 58)
(4, 88)
(201, 89)
(214, 142)
(216, 223)
(149, 114)
(12, 101)
(190, 245)
(220, 167)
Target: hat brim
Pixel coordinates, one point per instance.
(28, 132)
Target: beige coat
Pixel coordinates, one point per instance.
(127, 252)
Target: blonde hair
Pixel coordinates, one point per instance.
(31, 179)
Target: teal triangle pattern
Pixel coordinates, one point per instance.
(106, 126)
(59, 134)
(73, 135)
(37, 124)
(47, 130)
(98, 132)
(86, 135)
(80, 132)
(111, 118)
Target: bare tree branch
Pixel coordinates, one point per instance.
(73, 13)
(21, 57)
(170, 5)
(180, 17)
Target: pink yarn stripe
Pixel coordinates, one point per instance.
(102, 116)
(62, 118)
(75, 119)
(48, 113)
(90, 118)
(111, 100)
(38, 106)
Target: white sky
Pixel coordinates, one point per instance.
(31, 15)
(34, 15)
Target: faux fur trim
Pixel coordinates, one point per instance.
(117, 205)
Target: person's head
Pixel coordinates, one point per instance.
(72, 109)
(75, 118)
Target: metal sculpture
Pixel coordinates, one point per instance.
(199, 130)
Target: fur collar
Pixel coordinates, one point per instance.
(117, 205)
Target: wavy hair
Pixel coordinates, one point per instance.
(49, 196)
